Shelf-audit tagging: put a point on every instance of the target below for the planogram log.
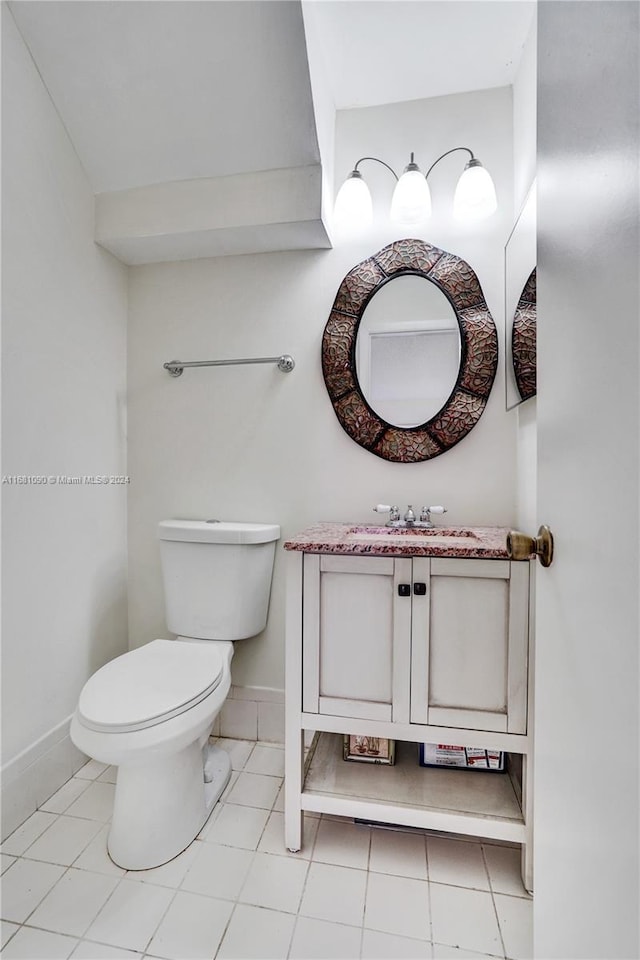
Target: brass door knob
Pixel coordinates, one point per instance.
(522, 547)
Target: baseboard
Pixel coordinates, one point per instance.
(36, 773)
(252, 713)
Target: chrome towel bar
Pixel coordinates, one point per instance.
(285, 363)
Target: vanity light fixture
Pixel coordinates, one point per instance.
(474, 199)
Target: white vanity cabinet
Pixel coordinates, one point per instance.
(356, 637)
(469, 644)
(439, 641)
(419, 649)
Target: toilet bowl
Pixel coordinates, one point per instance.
(149, 712)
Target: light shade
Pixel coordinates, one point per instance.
(411, 201)
(353, 209)
(475, 196)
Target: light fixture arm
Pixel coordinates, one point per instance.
(453, 150)
(377, 161)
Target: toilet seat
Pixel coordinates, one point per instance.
(149, 685)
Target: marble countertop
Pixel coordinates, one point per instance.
(361, 539)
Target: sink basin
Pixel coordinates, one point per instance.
(400, 534)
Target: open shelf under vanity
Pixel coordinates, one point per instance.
(478, 803)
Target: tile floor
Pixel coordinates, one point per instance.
(353, 891)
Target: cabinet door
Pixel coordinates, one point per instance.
(470, 644)
(357, 635)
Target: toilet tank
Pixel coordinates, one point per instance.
(217, 577)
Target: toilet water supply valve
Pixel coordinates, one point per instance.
(409, 519)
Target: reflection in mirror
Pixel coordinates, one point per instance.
(520, 306)
(408, 351)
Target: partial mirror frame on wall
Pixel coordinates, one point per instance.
(475, 347)
(521, 306)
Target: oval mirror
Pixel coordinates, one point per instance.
(520, 306)
(445, 411)
(408, 351)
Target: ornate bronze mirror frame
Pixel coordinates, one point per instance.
(478, 353)
(523, 339)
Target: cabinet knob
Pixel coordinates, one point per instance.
(420, 589)
(404, 589)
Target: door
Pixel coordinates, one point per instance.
(469, 644)
(356, 636)
(586, 803)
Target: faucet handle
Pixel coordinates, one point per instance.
(394, 513)
(425, 513)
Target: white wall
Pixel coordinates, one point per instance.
(524, 118)
(64, 357)
(253, 443)
(524, 172)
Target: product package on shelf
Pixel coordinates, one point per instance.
(463, 758)
(369, 749)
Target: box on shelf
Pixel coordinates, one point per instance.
(369, 749)
(463, 758)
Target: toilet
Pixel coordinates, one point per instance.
(149, 712)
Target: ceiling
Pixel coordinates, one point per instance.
(386, 51)
(187, 92)
(152, 92)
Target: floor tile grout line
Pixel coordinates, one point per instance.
(119, 881)
(69, 865)
(489, 956)
(246, 877)
(426, 860)
(430, 909)
(15, 860)
(17, 930)
(525, 895)
(293, 931)
(58, 813)
(168, 907)
(306, 877)
(366, 893)
(226, 928)
(495, 908)
(31, 912)
(44, 830)
(68, 869)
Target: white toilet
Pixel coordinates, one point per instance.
(150, 712)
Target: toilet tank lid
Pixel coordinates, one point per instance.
(217, 531)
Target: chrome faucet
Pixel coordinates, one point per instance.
(409, 519)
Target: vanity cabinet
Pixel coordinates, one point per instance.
(418, 648)
(469, 644)
(356, 637)
(427, 640)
